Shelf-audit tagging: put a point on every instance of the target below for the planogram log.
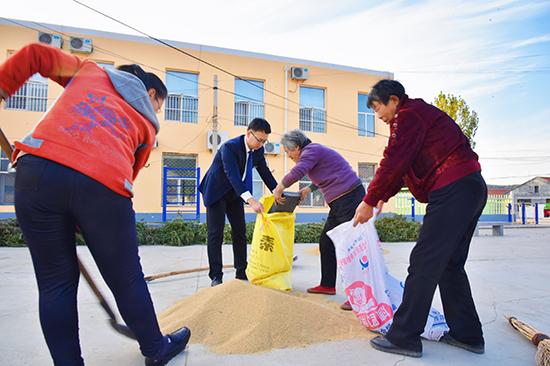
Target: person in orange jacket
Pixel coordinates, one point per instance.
(77, 168)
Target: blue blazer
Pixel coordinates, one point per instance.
(227, 170)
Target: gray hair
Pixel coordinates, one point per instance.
(293, 139)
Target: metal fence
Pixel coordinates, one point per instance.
(183, 108)
(180, 193)
(313, 119)
(406, 205)
(246, 111)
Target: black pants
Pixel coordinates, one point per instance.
(438, 258)
(50, 199)
(232, 206)
(342, 210)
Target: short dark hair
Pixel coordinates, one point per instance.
(149, 79)
(383, 90)
(259, 124)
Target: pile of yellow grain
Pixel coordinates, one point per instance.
(237, 318)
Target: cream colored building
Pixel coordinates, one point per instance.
(322, 99)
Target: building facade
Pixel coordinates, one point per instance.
(327, 101)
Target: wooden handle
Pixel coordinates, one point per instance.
(5, 144)
(174, 273)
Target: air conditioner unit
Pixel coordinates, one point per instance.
(82, 45)
(299, 73)
(223, 136)
(53, 40)
(272, 148)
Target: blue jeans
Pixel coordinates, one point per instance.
(50, 200)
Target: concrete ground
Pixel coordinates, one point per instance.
(509, 276)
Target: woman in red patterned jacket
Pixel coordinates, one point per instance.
(76, 168)
(429, 154)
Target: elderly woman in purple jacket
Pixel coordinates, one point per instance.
(342, 189)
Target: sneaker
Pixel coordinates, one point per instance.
(176, 344)
(448, 339)
(215, 282)
(346, 306)
(380, 343)
(322, 290)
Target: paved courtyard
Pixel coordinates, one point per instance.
(509, 276)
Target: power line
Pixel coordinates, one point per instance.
(342, 123)
(106, 51)
(329, 119)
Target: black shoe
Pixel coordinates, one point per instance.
(241, 277)
(380, 343)
(216, 281)
(178, 341)
(448, 339)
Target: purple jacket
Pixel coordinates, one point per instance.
(327, 169)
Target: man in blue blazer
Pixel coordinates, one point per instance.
(226, 186)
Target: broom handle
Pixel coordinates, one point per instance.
(6, 146)
(174, 273)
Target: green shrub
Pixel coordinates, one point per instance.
(397, 228)
(176, 233)
(10, 234)
(308, 233)
(180, 233)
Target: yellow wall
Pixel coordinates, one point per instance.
(341, 89)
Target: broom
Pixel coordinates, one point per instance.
(541, 340)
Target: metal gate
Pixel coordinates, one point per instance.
(180, 193)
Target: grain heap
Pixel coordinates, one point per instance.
(238, 318)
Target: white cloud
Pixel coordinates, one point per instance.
(531, 41)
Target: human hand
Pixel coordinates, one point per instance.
(278, 193)
(255, 205)
(362, 214)
(304, 192)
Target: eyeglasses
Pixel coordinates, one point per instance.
(261, 141)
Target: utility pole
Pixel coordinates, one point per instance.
(215, 118)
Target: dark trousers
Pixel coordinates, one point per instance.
(50, 199)
(341, 210)
(438, 258)
(232, 206)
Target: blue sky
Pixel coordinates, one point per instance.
(495, 53)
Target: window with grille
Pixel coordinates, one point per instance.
(365, 117)
(32, 96)
(312, 110)
(366, 173)
(182, 102)
(181, 178)
(314, 199)
(7, 181)
(249, 101)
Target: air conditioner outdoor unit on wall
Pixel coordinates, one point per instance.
(299, 73)
(53, 40)
(272, 148)
(223, 136)
(82, 45)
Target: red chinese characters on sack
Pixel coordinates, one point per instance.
(372, 314)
